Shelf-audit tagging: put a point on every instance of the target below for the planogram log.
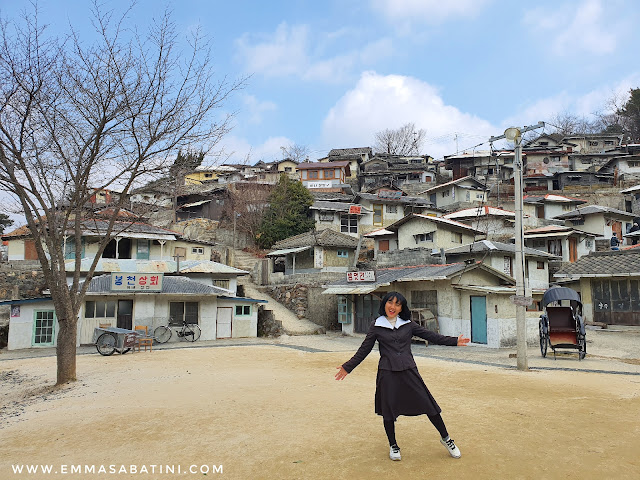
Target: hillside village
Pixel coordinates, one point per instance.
(441, 232)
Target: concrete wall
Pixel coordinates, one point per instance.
(408, 256)
(442, 238)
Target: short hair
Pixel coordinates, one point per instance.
(405, 313)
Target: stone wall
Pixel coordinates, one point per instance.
(307, 301)
(408, 256)
(18, 280)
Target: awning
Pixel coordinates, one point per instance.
(283, 252)
(547, 235)
(350, 290)
(195, 204)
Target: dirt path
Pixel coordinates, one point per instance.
(272, 412)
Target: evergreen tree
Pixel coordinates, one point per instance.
(288, 213)
(5, 221)
(630, 113)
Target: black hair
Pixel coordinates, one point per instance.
(405, 313)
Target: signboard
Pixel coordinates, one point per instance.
(137, 282)
(355, 209)
(521, 300)
(389, 194)
(364, 276)
(319, 184)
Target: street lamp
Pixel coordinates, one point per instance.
(520, 299)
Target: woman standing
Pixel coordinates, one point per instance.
(399, 388)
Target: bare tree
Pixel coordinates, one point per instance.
(248, 202)
(566, 123)
(78, 116)
(295, 152)
(406, 140)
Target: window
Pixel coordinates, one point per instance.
(593, 143)
(608, 142)
(100, 309)
(221, 283)
(328, 174)
(208, 175)
(392, 209)
(540, 265)
(422, 300)
(588, 243)
(287, 169)
(325, 216)
(313, 174)
(349, 223)
(456, 237)
(183, 312)
(343, 253)
(43, 327)
(479, 196)
(197, 250)
(344, 309)
(416, 160)
(377, 214)
(424, 237)
(243, 310)
(445, 193)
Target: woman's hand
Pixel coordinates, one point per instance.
(341, 374)
(462, 341)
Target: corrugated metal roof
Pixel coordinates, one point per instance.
(153, 266)
(280, 253)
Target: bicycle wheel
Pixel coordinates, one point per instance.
(162, 334)
(191, 332)
(106, 344)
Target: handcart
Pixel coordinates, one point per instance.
(562, 326)
(112, 339)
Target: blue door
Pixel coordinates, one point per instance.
(478, 319)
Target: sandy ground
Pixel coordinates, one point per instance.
(274, 411)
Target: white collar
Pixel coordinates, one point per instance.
(382, 321)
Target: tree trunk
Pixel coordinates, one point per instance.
(66, 350)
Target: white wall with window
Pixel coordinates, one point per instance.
(32, 324)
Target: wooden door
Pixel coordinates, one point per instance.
(478, 319)
(616, 228)
(30, 250)
(384, 245)
(223, 322)
(573, 249)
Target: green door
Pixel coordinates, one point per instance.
(478, 319)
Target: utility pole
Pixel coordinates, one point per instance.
(520, 299)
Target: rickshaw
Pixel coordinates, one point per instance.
(561, 326)
(111, 339)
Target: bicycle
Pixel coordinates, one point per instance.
(189, 331)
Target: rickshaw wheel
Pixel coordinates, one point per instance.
(106, 344)
(543, 342)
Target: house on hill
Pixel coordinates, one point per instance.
(463, 190)
(316, 251)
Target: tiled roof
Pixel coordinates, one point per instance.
(322, 238)
(487, 245)
(349, 151)
(333, 206)
(592, 209)
(551, 198)
(159, 266)
(438, 220)
(402, 200)
(479, 185)
(610, 263)
(318, 165)
(479, 212)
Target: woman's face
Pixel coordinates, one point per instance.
(392, 308)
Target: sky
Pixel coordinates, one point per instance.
(331, 74)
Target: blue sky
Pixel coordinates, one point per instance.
(331, 74)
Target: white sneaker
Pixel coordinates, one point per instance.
(394, 453)
(451, 447)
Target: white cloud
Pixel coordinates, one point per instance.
(406, 12)
(586, 27)
(583, 105)
(255, 108)
(379, 102)
(289, 52)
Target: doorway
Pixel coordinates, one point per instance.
(223, 323)
(478, 319)
(125, 314)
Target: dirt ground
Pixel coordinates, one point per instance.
(272, 412)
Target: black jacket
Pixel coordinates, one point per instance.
(395, 346)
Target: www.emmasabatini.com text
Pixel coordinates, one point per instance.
(65, 469)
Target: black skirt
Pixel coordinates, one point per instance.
(403, 393)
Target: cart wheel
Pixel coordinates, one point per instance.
(106, 344)
(192, 332)
(543, 342)
(162, 334)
